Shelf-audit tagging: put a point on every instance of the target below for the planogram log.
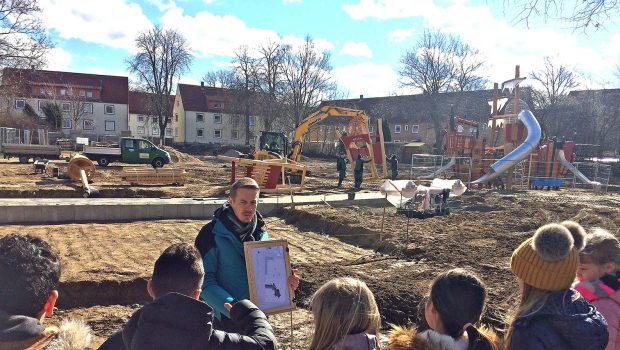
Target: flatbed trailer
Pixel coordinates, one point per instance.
(26, 152)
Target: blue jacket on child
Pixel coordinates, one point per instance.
(224, 261)
(561, 323)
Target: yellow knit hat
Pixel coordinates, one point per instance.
(549, 259)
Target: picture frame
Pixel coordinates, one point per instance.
(269, 267)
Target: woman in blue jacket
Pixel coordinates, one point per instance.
(550, 314)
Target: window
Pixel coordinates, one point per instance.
(89, 94)
(66, 123)
(42, 91)
(176, 132)
(217, 134)
(415, 129)
(168, 132)
(82, 93)
(128, 143)
(66, 107)
(371, 129)
(235, 135)
(472, 130)
(459, 129)
(200, 132)
(143, 144)
(406, 127)
(42, 104)
(397, 129)
(217, 119)
(176, 117)
(155, 130)
(88, 124)
(49, 92)
(109, 109)
(200, 118)
(110, 125)
(252, 120)
(20, 104)
(87, 108)
(140, 130)
(155, 120)
(218, 105)
(63, 92)
(141, 118)
(235, 121)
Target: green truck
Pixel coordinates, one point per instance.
(130, 150)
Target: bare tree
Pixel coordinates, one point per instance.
(222, 78)
(23, 41)
(557, 81)
(163, 55)
(307, 78)
(581, 14)
(439, 63)
(271, 82)
(245, 73)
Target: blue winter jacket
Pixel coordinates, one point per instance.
(561, 324)
(224, 263)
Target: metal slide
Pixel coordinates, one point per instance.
(440, 170)
(523, 150)
(568, 165)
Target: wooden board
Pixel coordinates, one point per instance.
(149, 176)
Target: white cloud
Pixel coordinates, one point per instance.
(388, 9)
(113, 23)
(400, 35)
(212, 35)
(352, 48)
(162, 5)
(503, 44)
(189, 81)
(58, 59)
(368, 79)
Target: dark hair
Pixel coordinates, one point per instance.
(178, 269)
(29, 272)
(459, 297)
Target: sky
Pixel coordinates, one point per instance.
(366, 38)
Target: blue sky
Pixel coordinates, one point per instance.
(366, 38)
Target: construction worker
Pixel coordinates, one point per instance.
(394, 166)
(359, 170)
(341, 166)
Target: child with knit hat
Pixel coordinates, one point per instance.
(599, 279)
(551, 315)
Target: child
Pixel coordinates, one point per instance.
(550, 314)
(176, 319)
(455, 304)
(599, 279)
(346, 316)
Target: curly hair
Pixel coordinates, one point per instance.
(29, 272)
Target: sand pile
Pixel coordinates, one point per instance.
(180, 157)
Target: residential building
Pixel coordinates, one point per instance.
(142, 120)
(204, 114)
(409, 116)
(92, 105)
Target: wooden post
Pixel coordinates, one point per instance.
(380, 131)
(493, 123)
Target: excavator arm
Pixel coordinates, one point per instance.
(315, 118)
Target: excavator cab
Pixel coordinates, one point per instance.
(271, 145)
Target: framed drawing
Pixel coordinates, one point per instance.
(269, 266)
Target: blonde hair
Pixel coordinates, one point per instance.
(601, 247)
(341, 307)
(532, 300)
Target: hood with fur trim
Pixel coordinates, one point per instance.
(410, 339)
(71, 335)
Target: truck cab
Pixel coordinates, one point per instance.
(131, 151)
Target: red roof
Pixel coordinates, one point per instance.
(138, 103)
(113, 89)
(205, 99)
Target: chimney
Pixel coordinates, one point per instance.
(361, 97)
(202, 84)
(32, 66)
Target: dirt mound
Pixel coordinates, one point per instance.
(180, 157)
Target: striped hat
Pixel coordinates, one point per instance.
(549, 259)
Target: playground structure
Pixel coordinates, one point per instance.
(419, 201)
(272, 175)
(512, 150)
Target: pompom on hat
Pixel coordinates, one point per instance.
(549, 259)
